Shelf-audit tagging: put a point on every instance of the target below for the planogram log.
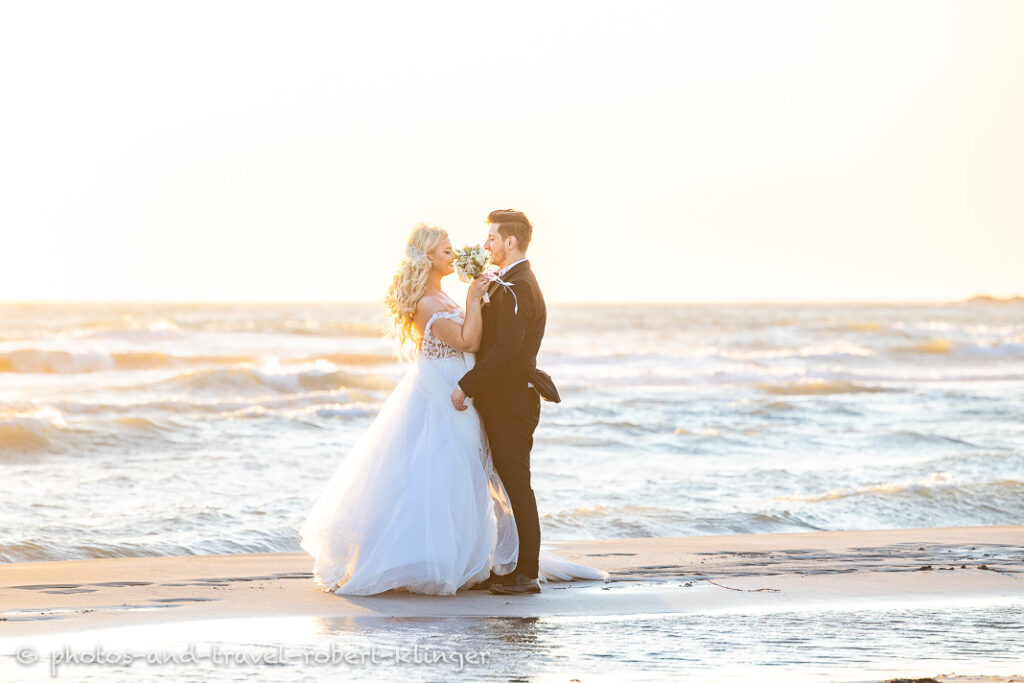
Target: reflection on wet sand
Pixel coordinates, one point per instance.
(507, 647)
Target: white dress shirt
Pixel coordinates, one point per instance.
(501, 273)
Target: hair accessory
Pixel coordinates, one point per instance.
(415, 253)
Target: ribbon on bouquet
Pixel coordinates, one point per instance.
(493, 277)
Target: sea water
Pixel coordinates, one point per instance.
(163, 429)
(843, 643)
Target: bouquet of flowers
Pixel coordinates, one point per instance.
(471, 262)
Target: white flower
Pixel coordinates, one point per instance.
(470, 262)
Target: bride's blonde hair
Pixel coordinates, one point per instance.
(410, 281)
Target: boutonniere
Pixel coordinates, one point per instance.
(490, 290)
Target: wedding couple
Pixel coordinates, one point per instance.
(435, 496)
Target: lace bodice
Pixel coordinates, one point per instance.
(432, 347)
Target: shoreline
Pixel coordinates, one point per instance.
(649, 576)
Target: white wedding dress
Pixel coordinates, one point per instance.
(417, 505)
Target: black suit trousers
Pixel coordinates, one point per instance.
(511, 439)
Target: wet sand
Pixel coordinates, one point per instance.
(744, 573)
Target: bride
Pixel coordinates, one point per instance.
(417, 505)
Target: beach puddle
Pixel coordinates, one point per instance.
(843, 643)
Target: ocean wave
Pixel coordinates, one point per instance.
(935, 500)
(350, 359)
(625, 521)
(787, 380)
(773, 407)
(169, 413)
(548, 356)
(45, 429)
(938, 345)
(27, 551)
(998, 349)
(334, 410)
(280, 379)
(941, 346)
(989, 299)
(918, 487)
(291, 326)
(305, 413)
(586, 423)
(834, 350)
(69, 425)
(141, 331)
(56, 362)
(145, 424)
(335, 328)
(912, 437)
(817, 387)
(75, 362)
(610, 521)
(858, 325)
(581, 441)
(132, 330)
(706, 431)
(29, 431)
(36, 551)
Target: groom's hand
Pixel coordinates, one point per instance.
(479, 287)
(459, 399)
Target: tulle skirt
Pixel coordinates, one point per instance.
(417, 504)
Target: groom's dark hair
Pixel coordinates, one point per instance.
(511, 222)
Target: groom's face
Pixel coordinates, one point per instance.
(495, 244)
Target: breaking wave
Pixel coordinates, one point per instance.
(75, 362)
(28, 432)
(936, 479)
(817, 387)
(248, 379)
(934, 346)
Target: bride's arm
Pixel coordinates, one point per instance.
(465, 337)
(473, 328)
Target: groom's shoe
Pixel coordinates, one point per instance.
(491, 581)
(522, 585)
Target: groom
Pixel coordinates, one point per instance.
(500, 387)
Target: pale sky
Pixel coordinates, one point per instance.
(665, 151)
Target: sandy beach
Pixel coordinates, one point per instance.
(739, 574)
(648, 575)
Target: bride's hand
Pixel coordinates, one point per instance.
(478, 287)
(459, 399)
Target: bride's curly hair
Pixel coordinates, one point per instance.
(410, 280)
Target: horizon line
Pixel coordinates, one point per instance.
(565, 302)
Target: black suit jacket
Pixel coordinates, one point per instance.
(509, 345)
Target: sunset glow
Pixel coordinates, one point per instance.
(675, 151)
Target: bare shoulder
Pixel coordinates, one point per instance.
(431, 304)
(428, 306)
